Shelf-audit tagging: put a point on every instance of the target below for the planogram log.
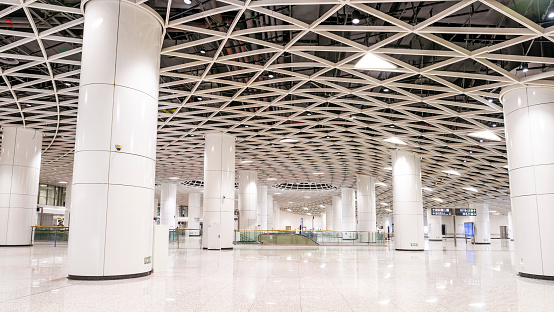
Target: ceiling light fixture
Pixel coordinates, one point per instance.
(386, 90)
(524, 67)
(395, 141)
(246, 161)
(289, 209)
(472, 189)
(551, 15)
(487, 135)
(319, 173)
(380, 184)
(322, 206)
(428, 189)
(174, 178)
(276, 193)
(454, 172)
(356, 15)
(188, 1)
(384, 204)
(199, 98)
(62, 182)
(287, 140)
(388, 168)
(270, 76)
(271, 179)
(389, 210)
(305, 208)
(437, 199)
(372, 61)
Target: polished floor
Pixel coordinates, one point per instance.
(249, 278)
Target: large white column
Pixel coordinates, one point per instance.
(168, 207)
(67, 214)
(156, 204)
(219, 191)
(482, 223)
(367, 214)
(270, 213)
(408, 201)
(337, 213)
(348, 199)
(115, 146)
(434, 226)
(248, 199)
(510, 226)
(277, 215)
(194, 213)
(262, 207)
(329, 218)
(529, 124)
(19, 178)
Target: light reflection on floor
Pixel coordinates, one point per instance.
(250, 278)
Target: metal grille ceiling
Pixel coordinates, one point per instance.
(264, 71)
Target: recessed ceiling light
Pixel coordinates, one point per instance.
(322, 206)
(356, 15)
(428, 189)
(174, 178)
(470, 189)
(307, 197)
(319, 173)
(305, 208)
(524, 67)
(246, 161)
(388, 168)
(67, 84)
(203, 51)
(380, 184)
(291, 202)
(492, 211)
(454, 172)
(199, 98)
(288, 140)
(271, 179)
(437, 199)
(372, 61)
(487, 135)
(309, 214)
(389, 210)
(276, 193)
(395, 141)
(289, 209)
(384, 204)
(506, 167)
(386, 90)
(309, 114)
(188, 1)
(270, 75)
(62, 182)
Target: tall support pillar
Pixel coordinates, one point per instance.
(434, 226)
(116, 134)
(329, 218)
(219, 191)
(168, 207)
(529, 125)
(277, 215)
(194, 213)
(348, 199)
(367, 214)
(510, 226)
(262, 208)
(482, 223)
(270, 213)
(19, 178)
(337, 213)
(67, 213)
(248, 199)
(408, 201)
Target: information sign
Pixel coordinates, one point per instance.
(441, 211)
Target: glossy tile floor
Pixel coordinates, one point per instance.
(249, 278)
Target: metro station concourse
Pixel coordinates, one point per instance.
(276, 155)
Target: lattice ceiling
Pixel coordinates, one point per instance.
(268, 70)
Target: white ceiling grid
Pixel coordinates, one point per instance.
(260, 90)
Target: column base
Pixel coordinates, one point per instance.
(409, 249)
(29, 245)
(542, 277)
(106, 278)
(228, 248)
(482, 243)
(435, 240)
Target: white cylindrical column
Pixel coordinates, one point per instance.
(367, 214)
(194, 213)
(348, 199)
(408, 201)
(510, 226)
(270, 213)
(219, 191)
(248, 199)
(168, 207)
(434, 226)
(156, 204)
(116, 136)
(337, 213)
(276, 215)
(19, 178)
(329, 218)
(529, 124)
(262, 207)
(67, 214)
(482, 223)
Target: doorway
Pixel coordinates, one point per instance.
(444, 229)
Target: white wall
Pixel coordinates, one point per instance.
(496, 222)
(459, 225)
(293, 220)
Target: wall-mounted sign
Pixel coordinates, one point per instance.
(466, 212)
(441, 211)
